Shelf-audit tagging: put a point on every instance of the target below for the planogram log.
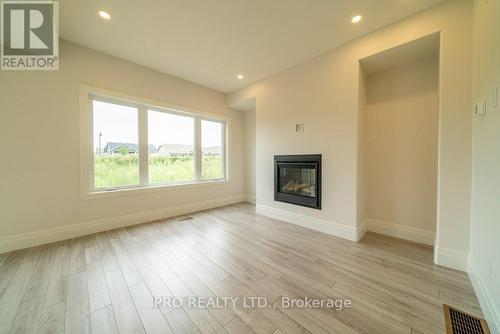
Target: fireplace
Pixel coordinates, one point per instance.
(297, 179)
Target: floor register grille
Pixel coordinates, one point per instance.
(458, 322)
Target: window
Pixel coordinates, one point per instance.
(171, 147)
(212, 165)
(116, 143)
(140, 145)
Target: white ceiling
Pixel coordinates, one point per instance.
(209, 42)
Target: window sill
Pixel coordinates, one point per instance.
(148, 189)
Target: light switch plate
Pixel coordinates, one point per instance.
(73, 211)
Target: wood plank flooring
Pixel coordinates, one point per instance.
(105, 282)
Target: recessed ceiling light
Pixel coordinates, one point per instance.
(240, 76)
(104, 15)
(356, 19)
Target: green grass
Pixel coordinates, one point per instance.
(117, 170)
(211, 167)
(123, 170)
(169, 169)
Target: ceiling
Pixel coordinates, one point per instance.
(210, 42)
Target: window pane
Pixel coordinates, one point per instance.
(116, 158)
(211, 150)
(171, 147)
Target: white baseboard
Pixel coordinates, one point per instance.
(321, 225)
(361, 230)
(443, 256)
(451, 258)
(491, 313)
(40, 237)
(399, 231)
(250, 198)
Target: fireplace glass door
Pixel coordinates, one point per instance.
(298, 179)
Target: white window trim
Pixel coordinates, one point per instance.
(89, 93)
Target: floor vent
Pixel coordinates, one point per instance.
(185, 218)
(458, 322)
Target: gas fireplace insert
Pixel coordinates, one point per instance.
(297, 179)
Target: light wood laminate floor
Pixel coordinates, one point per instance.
(104, 283)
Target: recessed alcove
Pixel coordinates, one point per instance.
(399, 139)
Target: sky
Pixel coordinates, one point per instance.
(119, 123)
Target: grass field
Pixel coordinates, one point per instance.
(121, 170)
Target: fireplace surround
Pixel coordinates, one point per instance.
(297, 179)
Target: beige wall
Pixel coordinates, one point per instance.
(39, 126)
(324, 94)
(249, 129)
(401, 137)
(485, 226)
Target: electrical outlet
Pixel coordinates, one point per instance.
(480, 108)
(73, 211)
(299, 127)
